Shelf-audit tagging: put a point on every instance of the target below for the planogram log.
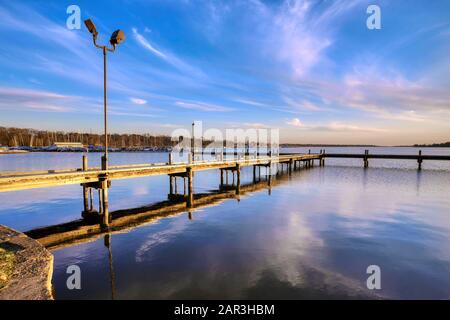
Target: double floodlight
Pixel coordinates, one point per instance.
(117, 37)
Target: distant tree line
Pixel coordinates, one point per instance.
(15, 137)
(434, 145)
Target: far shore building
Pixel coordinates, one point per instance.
(64, 145)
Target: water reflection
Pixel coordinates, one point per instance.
(312, 238)
(107, 241)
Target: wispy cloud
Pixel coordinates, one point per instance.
(332, 126)
(138, 101)
(20, 98)
(166, 56)
(146, 44)
(202, 106)
(302, 104)
(251, 102)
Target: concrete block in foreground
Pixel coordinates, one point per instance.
(26, 267)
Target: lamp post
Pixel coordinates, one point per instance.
(193, 142)
(117, 37)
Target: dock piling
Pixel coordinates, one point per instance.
(190, 176)
(366, 158)
(419, 161)
(238, 176)
(85, 188)
(170, 184)
(104, 192)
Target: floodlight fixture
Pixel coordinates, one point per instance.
(91, 27)
(117, 37)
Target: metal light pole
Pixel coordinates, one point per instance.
(193, 142)
(117, 37)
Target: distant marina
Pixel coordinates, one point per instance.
(73, 147)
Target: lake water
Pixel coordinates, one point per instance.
(311, 235)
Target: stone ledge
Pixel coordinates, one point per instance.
(32, 267)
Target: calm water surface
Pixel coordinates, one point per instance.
(310, 236)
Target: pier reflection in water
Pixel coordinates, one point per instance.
(312, 238)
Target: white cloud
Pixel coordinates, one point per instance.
(255, 125)
(167, 56)
(294, 36)
(19, 98)
(138, 101)
(251, 102)
(295, 122)
(146, 44)
(202, 106)
(301, 105)
(332, 126)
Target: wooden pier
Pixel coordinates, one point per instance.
(92, 179)
(96, 179)
(366, 156)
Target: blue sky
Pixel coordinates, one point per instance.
(310, 68)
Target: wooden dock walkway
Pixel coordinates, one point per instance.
(13, 181)
(366, 156)
(96, 179)
(100, 180)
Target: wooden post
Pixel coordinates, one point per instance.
(171, 185)
(254, 174)
(175, 182)
(366, 159)
(104, 189)
(238, 174)
(100, 202)
(270, 174)
(323, 158)
(91, 196)
(85, 189)
(170, 158)
(190, 176)
(320, 158)
(419, 160)
(291, 163)
(221, 177)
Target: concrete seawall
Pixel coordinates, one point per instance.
(26, 267)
